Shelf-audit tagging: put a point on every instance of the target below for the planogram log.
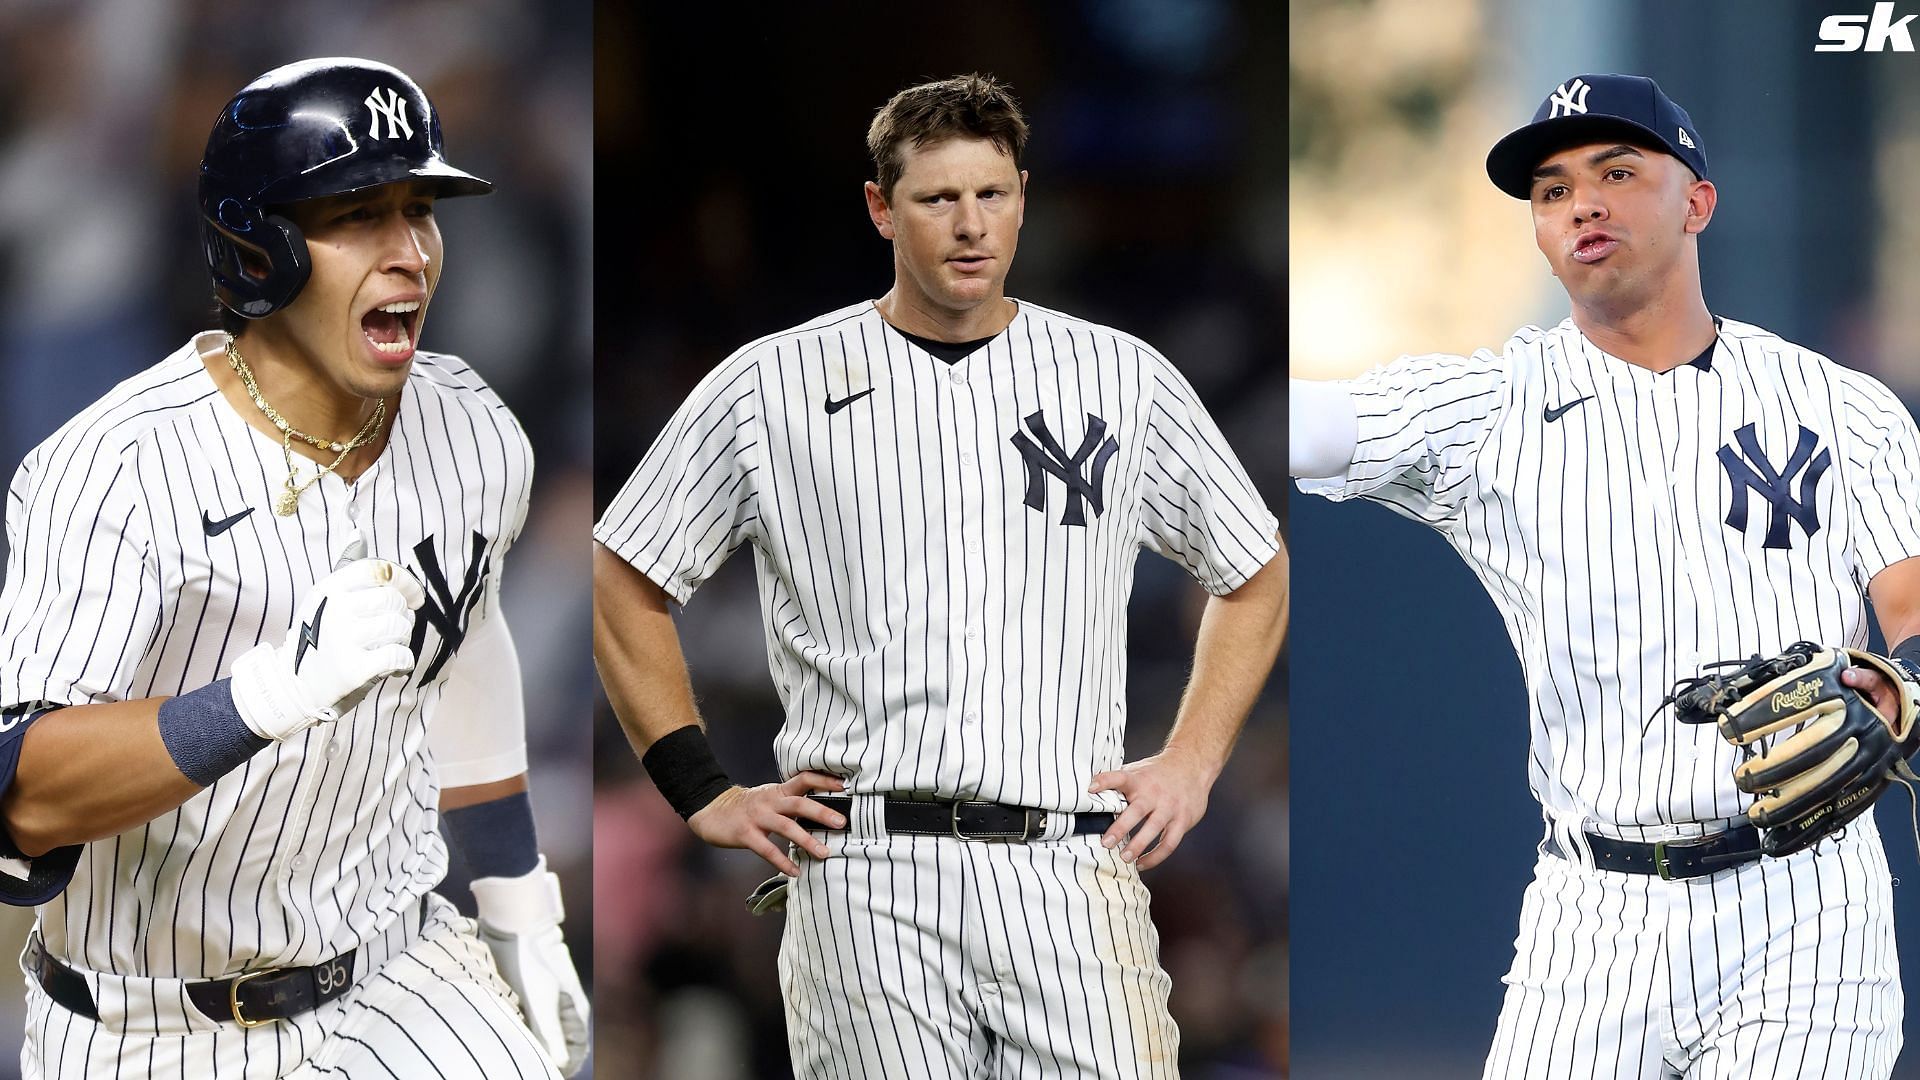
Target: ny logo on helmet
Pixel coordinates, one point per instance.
(394, 108)
(1049, 458)
(1569, 98)
(1750, 469)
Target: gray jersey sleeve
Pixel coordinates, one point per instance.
(691, 502)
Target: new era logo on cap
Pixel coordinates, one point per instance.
(1592, 108)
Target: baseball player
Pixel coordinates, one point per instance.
(251, 652)
(946, 490)
(1644, 490)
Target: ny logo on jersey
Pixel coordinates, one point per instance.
(1569, 98)
(1749, 468)
(1048, 458)
(445, 610)
(394, 108)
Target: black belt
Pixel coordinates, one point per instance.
(963, 820)
(249, 999)
(1672, 860)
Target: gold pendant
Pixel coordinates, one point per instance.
(286, 503)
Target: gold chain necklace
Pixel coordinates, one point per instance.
(289, 500)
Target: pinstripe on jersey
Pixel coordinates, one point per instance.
(1631, 526)
(1783, 968)
(430, 1005)
(928, 628)
(116, 590)
(925, 957)
(1603, 536)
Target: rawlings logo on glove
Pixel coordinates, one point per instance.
(1835, 751)
(1800, 697)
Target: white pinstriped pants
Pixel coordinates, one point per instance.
(930, 958)
(426, 1005)
(1781, 968)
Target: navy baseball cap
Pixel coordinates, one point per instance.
(1594, 108)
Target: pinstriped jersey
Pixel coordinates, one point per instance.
(1632, 526)
(945, 552)
(145, 557)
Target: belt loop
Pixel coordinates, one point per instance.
(868, 817)
(1058, 827)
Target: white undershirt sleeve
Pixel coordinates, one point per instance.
(1322, 428)
(479, 733)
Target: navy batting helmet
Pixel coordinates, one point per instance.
(307, 130)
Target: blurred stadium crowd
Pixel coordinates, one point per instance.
(105, 107)
(1155, 205)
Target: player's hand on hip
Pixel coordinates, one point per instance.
(520, 923)
(752, 817)
(353, 628)
(1166, 795)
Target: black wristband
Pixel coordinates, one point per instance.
(684, 769)
(1906, 657)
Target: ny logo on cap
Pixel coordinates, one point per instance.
(1569, 98)
(394, 108)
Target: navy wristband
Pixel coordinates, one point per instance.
(495, 838)
(205, 734)
(684, 769)
(1906, 657)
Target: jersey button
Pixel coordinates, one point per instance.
(973, 545)
(966, 457)
(959, 375)
(299, 862)
(972, 718)
(972, 633)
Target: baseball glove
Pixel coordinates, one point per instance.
(1836, 752)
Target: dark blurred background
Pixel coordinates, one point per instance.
(732, 146)
(105, 107)
(1421, 840)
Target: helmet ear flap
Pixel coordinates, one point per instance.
(259, 261)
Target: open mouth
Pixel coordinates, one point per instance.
(1591, 249)
(389, 327)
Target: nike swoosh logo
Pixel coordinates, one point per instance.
(1555, 414)
(215, 528)
(835, 406)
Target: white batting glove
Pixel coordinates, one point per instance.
(520, 922)
(352, 629)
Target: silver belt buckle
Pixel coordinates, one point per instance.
(1026, 827)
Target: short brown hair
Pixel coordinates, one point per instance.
(975, 105)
